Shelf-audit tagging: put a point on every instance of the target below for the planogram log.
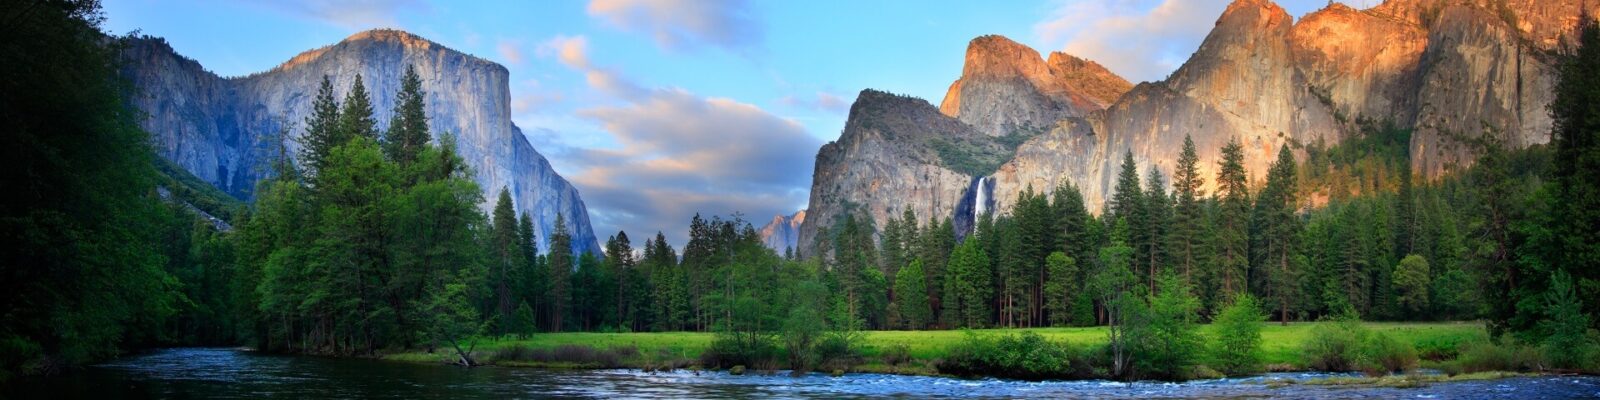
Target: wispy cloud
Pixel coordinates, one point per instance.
(685, 24)
(353, 14)
(678, 154)
(1143, 40)
(821, 101)
(510, 51)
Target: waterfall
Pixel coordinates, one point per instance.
(982, 204)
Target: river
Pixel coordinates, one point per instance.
(228, 373)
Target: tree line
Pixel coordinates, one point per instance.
(371, 240)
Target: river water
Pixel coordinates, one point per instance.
(196, 373)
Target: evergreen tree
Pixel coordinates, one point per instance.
(1156, 219)
(1128, 196)
(969, 285)
(1061, 288)
(1276, 226)
(1411, 281)
(1187, 216)
(1575, 206)
(356, 120)
(911, 296)
(323, 129)
(408, 127)
(505, 248)
(1233, 211)
(561, 264)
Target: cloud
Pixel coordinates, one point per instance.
(677, 154)
(823, 101)
(510, 51)
(352, 14)
(530, 95)
(572, 51)
(685, 24)
(1142, 40)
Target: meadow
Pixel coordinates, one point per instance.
(1280, 344)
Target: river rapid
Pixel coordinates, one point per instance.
(206, 373)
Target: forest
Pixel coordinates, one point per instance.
(371, 241)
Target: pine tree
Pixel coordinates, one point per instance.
(561, 264)
(1061, 288)
(1128, 198)
(1155, 218)
(408, 128)
(911, 295)
(323, 129)
(1187, 215)
(1575, 207)
(969, 285)
(1233, 211)
(356, 120)
(1278, 227)
(507, 253)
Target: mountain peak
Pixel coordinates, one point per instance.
(406, 42)
(1008, 88)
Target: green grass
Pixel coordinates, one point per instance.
(1280, 344)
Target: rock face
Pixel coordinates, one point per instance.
(1446, 68)
(1006, 88)
(888, 159)
(783, 232)
(224, 130)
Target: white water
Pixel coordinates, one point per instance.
(981, 206)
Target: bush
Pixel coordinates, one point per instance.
(1023, 356)
(1237, 348)
(1381, 354)
(1507, 356)
(1334, 343)
(897, 354)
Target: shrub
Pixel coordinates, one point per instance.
(897, 354)
(1023, 356)
(1237, 348)
(1334, 343)
(1166, 341)
(1507, 356)
(1381, 354)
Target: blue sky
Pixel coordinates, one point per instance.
(658, 109)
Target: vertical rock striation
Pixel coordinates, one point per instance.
(224, 130)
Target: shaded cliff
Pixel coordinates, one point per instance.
(223, 130)
(782, 233)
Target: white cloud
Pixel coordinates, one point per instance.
(822, 101)
(510, 51)
(352, 14)
(1142, 40)
(685, 24)
(678, 154)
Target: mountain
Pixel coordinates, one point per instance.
(1451, 70)
(783, 232)
(1007, 89)
(224, 130)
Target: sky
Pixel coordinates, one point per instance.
(660, 109)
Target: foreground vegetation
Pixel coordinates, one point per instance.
(1437, 345)
(371, 241)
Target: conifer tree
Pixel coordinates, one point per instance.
(561, 264)
(1187, 215)
(408, 127)
(323, 129)
(1233, 212)
(356, 120)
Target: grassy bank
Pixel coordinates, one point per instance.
(1280, 346)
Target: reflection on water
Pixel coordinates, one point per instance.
(228, 373)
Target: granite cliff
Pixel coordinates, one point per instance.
(782, 233)
(223, 130)
(1452, 70)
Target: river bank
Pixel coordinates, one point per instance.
(913, 353)
(231, 373)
